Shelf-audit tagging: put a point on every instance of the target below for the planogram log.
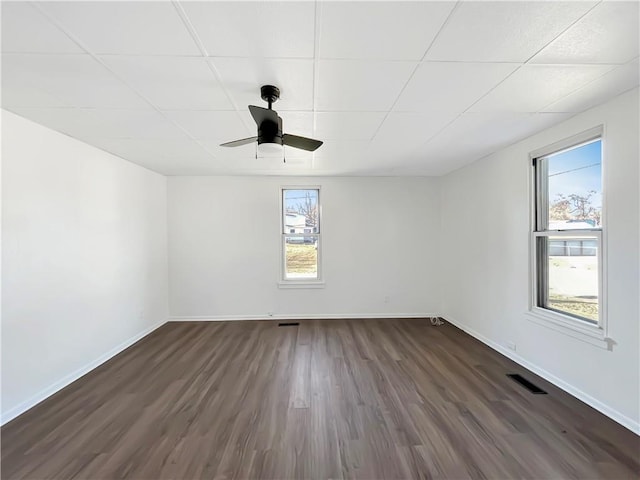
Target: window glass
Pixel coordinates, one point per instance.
(572, 275)
(300, 210)
(301, 257)
(574, 186)
(301, 233)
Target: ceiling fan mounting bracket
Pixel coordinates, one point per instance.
(269, 94)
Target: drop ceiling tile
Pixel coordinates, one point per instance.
(402, 129)
(246, 165)
(503, 31)
(392, 164)
(394, 145)
(337, 152)
(297, 155)
(138, 124)
(613, 83)
(385, 30)
(390, 154)
(340, 157)
(177, 149)
(229, 153)
(76, 80)
(243, 78)
(166, 156)
(25, 30)
(450, 86)
(290, 164)
(18, 94)
(254, 29)
(75, 122)
(171, 83)
(607, 34)
(189, 161)
(475, 135)
(533, 87)
(347, 125)
(345, 85)
(203, 124)
(130, 149)
(131, 28)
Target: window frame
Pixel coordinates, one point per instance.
(575, 326)
(285, 282)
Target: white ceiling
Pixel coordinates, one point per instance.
(393, 88)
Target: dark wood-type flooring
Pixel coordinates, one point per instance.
(328, 399)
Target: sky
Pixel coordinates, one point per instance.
(293, 197)
(577, 171)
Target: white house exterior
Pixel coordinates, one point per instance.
(295, 223)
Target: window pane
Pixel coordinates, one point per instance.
(301, 257)
(572, 275)
(300, 211)
(575, 187)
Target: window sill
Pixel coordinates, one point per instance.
(300, 284)
(566, 325)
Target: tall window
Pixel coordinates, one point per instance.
(567, 237)
(300, 234)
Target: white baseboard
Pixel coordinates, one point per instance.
(613, 414)
(298, 316)
(72, 377)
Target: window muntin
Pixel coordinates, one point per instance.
(568, 232)
(300, 233)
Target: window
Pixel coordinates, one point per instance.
(300, 235)
(567, 233)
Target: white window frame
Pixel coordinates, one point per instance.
(285, 282)
(596, 334)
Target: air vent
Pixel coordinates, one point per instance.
(526, 383)
(289, 324)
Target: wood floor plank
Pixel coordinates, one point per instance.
(366, 399)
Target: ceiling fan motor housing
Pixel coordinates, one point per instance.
(270, 132)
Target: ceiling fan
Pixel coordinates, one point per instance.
(270, 126)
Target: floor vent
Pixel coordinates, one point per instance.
(526, 383)
(289, 324)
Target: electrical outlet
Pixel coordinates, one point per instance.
(511, 346)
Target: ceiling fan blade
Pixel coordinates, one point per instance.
(301, 142)
(260, 114)
(237, 143)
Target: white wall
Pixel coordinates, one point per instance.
(380, 239)
(83, 255)
(485, 228)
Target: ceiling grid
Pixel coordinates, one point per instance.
(392, 88)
